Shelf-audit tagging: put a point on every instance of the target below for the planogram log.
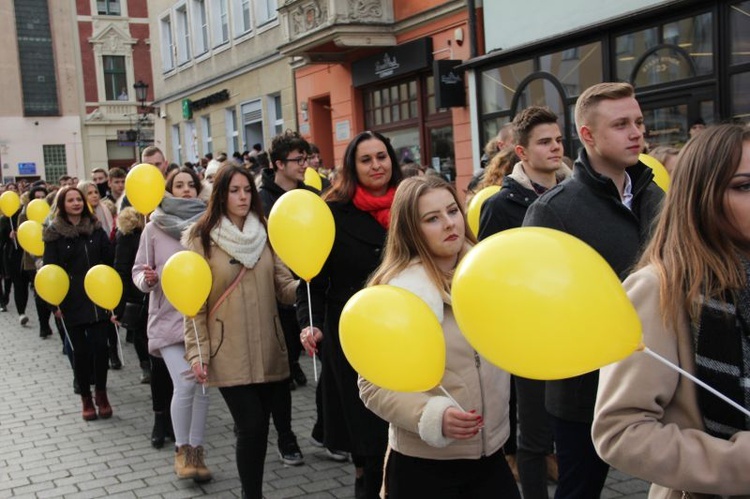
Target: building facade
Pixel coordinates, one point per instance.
(221, 84)
(40, 125)
(387, 66)
(688, 60)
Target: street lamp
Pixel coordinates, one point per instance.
(141, 93)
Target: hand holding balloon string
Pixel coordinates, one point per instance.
(461, 425)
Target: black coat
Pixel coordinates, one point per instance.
(126, 247)
(12, 253)
(76, 249)
(356, 253)
(588, 206)
(270, 192)
(506, 208)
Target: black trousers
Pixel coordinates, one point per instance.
(488, 477)
(281, 409)
(21, 281)
(90, 345)
(161, 385)
(582, 472)
(250, 406)
(535, 439)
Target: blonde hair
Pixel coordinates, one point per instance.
(592, 96)
(405, 243)
(691, 249)
(499, 166)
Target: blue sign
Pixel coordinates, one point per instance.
(27, 168)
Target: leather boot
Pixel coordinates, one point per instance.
(89, 411)
(102, 402)
(202, 473)
(159, 433)
(183, 462)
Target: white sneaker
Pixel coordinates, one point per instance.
(23, 319)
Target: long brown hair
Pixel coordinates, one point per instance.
(217, 204)
(405, 242)
(345, 182)
(691, 250)
(60, 204)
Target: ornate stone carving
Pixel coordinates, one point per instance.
(307, 16)
(365, 9)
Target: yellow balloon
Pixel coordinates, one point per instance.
(37, 210)
(144, 187)
(661, 175)
(312, 178)
(9, 203)
(30, 237)
(186, 281)
(393, 339)
(550, 308)
(52, 284)
(475, 206)
(301, 230)
(103, 286)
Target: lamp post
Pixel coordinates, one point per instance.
(141, 93)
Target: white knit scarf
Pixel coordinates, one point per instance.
(244, 245)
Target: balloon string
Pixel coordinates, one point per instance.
(696, 381)
(200, 355)
(445, 392)
(309, 309)
(62, 321)
(15, 239)
(119, 342)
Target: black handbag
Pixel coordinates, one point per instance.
(135, 315)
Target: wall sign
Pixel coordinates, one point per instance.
(210, 100)
(27, 168)
(450, 90)
(396, 61)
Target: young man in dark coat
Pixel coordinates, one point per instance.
(540, 149)
(609, 203)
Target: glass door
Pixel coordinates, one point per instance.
(669, 116)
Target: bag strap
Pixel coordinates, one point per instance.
(226, 293)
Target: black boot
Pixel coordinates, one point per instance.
(114, 357)
(159, 433)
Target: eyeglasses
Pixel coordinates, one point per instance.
(300, 160)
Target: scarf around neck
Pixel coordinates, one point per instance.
(244, 245)
(377, 206)
(722, 359)
(173, 215)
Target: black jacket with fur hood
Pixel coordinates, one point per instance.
(77, 248)
(130, 225)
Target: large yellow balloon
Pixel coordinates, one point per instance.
(52, 284)
(103, 286)
(301, 230)
(475, 206)
(144, 187)
(9, 203)
(312, 178)
(661, 175)
(30, 237)
(393, 339)
(37, 210)
(186, 281)
(550, 308)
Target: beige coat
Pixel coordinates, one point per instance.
(416, 419)
(242, 342)
(647, 422)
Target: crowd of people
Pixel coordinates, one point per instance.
(684, 259)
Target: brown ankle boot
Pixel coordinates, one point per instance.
(105, 410)
(202, 473)
(183, 462)
(89, 411)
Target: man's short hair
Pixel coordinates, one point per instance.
(63, 178)
(99, 170)
(151, 151)
(286, 142)
(117, 173)
(525, 121)
(592, 96)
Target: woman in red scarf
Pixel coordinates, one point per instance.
(360, 200)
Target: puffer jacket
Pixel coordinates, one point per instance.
(416, 419)
(164, 321)
(77, 248)
(242, 342)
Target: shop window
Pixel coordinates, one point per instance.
(176, 144)
(115, 79)
(576, 69)
(691, 52)
(741, 97)
(739, 22)
(233, 134)
(499, 85)
(542, 92)
(391, 104)
(206, 136)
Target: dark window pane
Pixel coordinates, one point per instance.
(628, 48)
(115, 79)
(741, 97)
(739, 21)
(499, 85)
(695, 36)
(577, 68)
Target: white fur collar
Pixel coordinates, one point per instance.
(414, 278)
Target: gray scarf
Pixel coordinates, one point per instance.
(173, 215)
